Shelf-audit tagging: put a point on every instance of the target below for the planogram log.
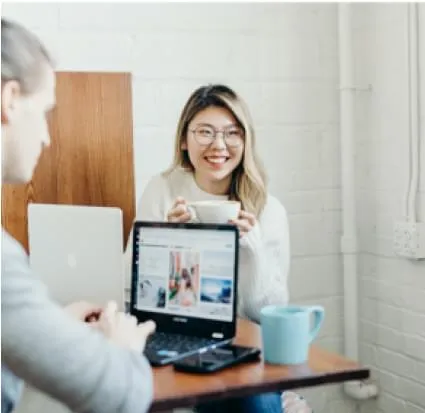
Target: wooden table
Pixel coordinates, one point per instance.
(174, 390)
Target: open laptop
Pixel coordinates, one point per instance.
(77, 251)
(184, 277)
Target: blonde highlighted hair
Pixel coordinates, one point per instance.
(249, 182)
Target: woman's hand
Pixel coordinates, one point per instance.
(245, 222)
(179, 211)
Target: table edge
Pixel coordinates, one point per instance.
(258, 388)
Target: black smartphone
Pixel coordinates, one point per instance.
(216, 359)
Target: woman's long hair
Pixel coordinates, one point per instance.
(248, 184)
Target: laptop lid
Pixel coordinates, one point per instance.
(77, 251)
(184, 277)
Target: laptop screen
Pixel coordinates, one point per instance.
(188, 272)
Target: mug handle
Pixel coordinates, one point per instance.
(319, 315)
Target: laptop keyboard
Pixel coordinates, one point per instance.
(175, 342)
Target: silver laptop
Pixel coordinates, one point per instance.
(77, 251)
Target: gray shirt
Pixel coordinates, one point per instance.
(63, 357)
(11, 390)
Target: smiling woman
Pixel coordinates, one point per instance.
(228, 165)
(215, 159)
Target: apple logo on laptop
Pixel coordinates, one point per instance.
(72, 260)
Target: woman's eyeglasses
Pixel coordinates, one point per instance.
(205, 135)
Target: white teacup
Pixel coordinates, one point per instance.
(217, 212)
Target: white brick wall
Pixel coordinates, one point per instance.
(392, 290)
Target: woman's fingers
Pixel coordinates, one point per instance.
(245, 222)
(179, 211)
(247, 216)
(179, 214)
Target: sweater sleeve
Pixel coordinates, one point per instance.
(61, 356)
(264, 262)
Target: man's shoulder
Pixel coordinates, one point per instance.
(17, 276)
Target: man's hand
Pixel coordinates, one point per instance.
(123, 329)
(84, 311)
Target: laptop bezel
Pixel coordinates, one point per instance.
(183, 324)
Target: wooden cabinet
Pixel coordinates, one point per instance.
(90, 160)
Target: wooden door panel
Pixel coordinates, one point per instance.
(90, 160)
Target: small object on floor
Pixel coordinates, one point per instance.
(294, 403)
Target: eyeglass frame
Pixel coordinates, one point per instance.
(216, 131)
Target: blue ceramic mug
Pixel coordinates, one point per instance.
(287, 332)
